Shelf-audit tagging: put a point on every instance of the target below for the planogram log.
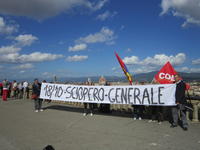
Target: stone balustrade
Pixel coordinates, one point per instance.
(195, 113)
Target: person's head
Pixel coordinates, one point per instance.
(49, 147)
(177, 77)
(35, 80)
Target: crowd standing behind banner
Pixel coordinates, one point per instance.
(21, 90)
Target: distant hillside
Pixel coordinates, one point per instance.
(190, 76)
(143, 77)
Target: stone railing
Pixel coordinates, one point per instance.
(195, 100)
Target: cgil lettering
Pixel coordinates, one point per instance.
(166, 76)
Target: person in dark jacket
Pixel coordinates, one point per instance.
(180, 101)
(36, 87)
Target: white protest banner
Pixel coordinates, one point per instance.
(155, 94)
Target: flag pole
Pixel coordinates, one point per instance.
(124, 68)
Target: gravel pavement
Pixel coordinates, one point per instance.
(65, 128)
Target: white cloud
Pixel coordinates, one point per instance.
(143, 69)
(131, 60)
(136, 65)
(157, 60)
(196, 62)
(24, 66)
(161, 59)
(188, 70)
(106, 15)
(33, 57)
(187, 9)
(25, 39)
(135, 69)
(76, 58)
(93, 6)
(78, 47)
(41, 9)
(9, 49)
(9, 58)
(7, 28)
(106, 35)
(98, 5)
(39, 57)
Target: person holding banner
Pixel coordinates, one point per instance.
(36, 87)
(180, 101)
(156, 114)
(156, 111)
(91, 105)
(137, 112)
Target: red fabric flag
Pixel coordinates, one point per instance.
(124, 68)
(166, 74)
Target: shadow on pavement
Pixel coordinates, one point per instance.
(96, 111)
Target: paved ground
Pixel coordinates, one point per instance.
(65, 128)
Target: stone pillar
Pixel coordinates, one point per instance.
(195, 111)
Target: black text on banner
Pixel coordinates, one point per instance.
(159, 94)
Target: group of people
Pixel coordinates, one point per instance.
(16, 90)
(156, 111)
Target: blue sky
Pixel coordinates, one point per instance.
(73, 38)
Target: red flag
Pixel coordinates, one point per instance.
(124, 68)
(166, 74)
